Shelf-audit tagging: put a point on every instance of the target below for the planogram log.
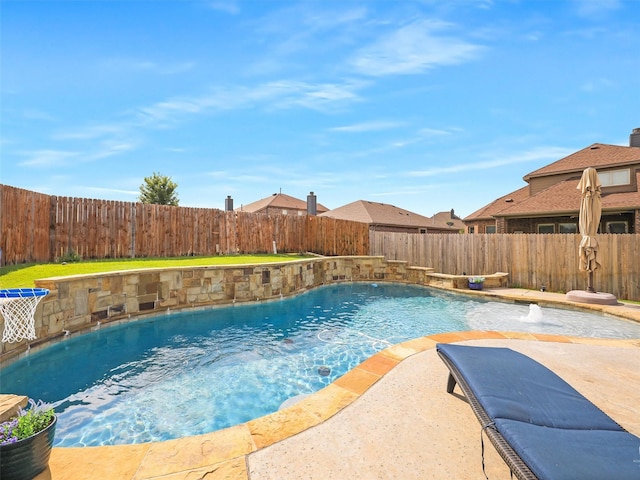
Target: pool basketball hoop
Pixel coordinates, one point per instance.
(18, 306)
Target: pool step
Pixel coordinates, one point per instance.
(9, 405)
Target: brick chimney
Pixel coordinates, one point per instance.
(634, 138)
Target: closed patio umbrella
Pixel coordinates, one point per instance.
(590, 211)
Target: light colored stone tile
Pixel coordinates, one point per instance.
(277, 426)
(235, 469)
(487, 335)
(357, 380)
(420, 344)
(379, 364)
(400, 351)
(551, 338)
(519, 335)
(175, 456)
(328, 401)
(449, 337)
(116, 462)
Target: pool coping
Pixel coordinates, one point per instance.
(224, 453)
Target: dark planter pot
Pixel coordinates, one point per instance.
(475, 286)
(26, 458)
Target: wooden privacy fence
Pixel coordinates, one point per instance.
(35, 227)
(531, 260)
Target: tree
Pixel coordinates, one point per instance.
(159, 189)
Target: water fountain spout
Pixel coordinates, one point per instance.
(534, 315)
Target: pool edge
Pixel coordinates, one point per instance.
(223, 454)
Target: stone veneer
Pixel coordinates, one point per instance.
(81, 302)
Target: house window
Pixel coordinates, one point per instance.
(615, 177)
(284, 212)
(490, 229)
(568, 228)
(471, 229)
(546, 228)
(617, 227)
(423, 230)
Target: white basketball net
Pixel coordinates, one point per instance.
(18, 313)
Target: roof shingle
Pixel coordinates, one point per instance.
(376, 213)
(563, 197)
(596, 155)
(279, 200)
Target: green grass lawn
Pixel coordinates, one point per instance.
(24, 276)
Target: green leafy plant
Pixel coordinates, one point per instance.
(70, 257)
(476, 279)
(27, 423)
(159, 189)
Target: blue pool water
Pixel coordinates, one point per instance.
(195, 372)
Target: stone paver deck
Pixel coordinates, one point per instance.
(388, 418)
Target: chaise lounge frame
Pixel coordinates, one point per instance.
(510, 457)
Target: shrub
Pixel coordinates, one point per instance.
(27, 423)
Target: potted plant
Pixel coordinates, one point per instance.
(476, 283)
(26, 441)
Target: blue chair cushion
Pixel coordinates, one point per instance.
(564, 454)
(510, 385)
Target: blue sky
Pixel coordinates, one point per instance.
(427, 105)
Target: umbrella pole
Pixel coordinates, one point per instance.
(590, 284)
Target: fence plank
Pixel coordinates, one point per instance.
(532, 260)
(40, 228)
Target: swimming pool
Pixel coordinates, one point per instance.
(194, 372)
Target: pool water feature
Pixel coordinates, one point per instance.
(188, 373)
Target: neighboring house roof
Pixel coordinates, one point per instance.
(448, 219)
(374, 213)
(281, 201)
(378, 213)
(489, 211)
(564, 197)
(596, 155)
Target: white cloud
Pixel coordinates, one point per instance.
(413, 49)
(226, 6)
(251, 179)
(47, 158)
(51, 158)
(121, 65)
(293, 35)
(306, 21)
(437, 132)
(539, 155)
(33, 114)
(420, 136)
(217, 174)
(596, 8)
(596, 85)
(103, 190)
(367, 127)
(324, 97)
(109, 149)
(281, 94)
(88, 133)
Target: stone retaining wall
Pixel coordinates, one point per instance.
(81, 302)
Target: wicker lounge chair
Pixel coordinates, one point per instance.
(541, 426)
